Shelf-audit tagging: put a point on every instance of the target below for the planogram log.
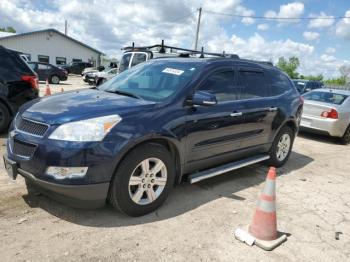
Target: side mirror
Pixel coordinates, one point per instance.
(201, 98)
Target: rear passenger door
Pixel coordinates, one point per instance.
(259, 108)
(43, 71)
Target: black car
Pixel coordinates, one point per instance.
(304, 86)
(18, 84)
(131, 139)
(76, 67)
(49, 72)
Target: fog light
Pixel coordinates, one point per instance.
(66, 172)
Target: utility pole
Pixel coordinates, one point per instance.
(65, 27)
(198, 24)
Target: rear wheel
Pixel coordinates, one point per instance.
(143, 180)
(346, 137)
(281, 147)
(5, 117)
(55, 80)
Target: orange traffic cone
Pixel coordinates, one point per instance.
(263, 230)
(48, 90)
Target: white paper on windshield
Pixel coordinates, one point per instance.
(173, 71)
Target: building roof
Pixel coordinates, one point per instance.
(4, 34)
(10, 35)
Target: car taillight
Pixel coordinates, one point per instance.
(330, 114)
(32, 80)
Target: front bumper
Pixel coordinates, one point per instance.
(332, 127)
(80, 196)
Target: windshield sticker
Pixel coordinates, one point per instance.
(301, 83)
(173, 71)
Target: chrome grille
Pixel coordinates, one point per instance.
(23, 149)
(31, 127)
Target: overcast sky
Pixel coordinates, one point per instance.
(108, 25)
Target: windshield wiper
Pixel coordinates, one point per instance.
(125, 93)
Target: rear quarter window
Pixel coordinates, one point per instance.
(12, 62)
(279, 83)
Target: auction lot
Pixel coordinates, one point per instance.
(197, 222)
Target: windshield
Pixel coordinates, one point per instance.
(300, 85)
(154, 81)
(326, 97)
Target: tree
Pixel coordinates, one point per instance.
(345, 72)
(313, 78)
(289, 66)
(8, 29)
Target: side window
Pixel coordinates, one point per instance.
(280, 84)
(222, 85)
(138, 58)
(43, 58)
(253, 84)
(124, 63)
(42, 67)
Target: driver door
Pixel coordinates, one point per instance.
(215, 132)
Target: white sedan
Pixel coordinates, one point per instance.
(327, 111)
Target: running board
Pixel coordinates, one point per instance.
(226, 168)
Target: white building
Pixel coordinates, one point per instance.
(51, 46)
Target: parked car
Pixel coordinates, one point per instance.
(18, 84)
(132, 138)
(89, 77)
(327, 111)
(49, 72)
(92, 69)
(76, 67)
(103, 76)
(304, 86)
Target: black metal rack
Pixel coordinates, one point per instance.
(190, 51)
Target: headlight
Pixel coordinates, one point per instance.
(93, 129)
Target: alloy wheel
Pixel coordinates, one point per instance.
(283, 147)
(147, 181)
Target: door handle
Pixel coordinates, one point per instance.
(235, 114)
(273, 109)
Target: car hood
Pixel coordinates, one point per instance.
(81, 104)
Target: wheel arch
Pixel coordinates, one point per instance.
(166, 142)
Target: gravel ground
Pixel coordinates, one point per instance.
(197, 221)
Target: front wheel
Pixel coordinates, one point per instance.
(143, 180)
(281, 147)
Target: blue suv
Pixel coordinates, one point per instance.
(130, 140)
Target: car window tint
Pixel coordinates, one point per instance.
(326, 97)
(124, 63)
(280, 84)
(138, 58)
(253, 84)
(222, 85)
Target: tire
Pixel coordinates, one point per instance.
(5, 118)
(278, 158)
(54, 80)
(125, 197)
(346, 137)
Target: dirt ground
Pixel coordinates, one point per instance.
(197, 221)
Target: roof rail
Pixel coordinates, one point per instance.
(194, 52)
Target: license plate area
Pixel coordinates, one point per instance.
(11, 168)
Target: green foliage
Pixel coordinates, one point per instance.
(8, 29)
(312, 78)
(340, 81)
(289, 66)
